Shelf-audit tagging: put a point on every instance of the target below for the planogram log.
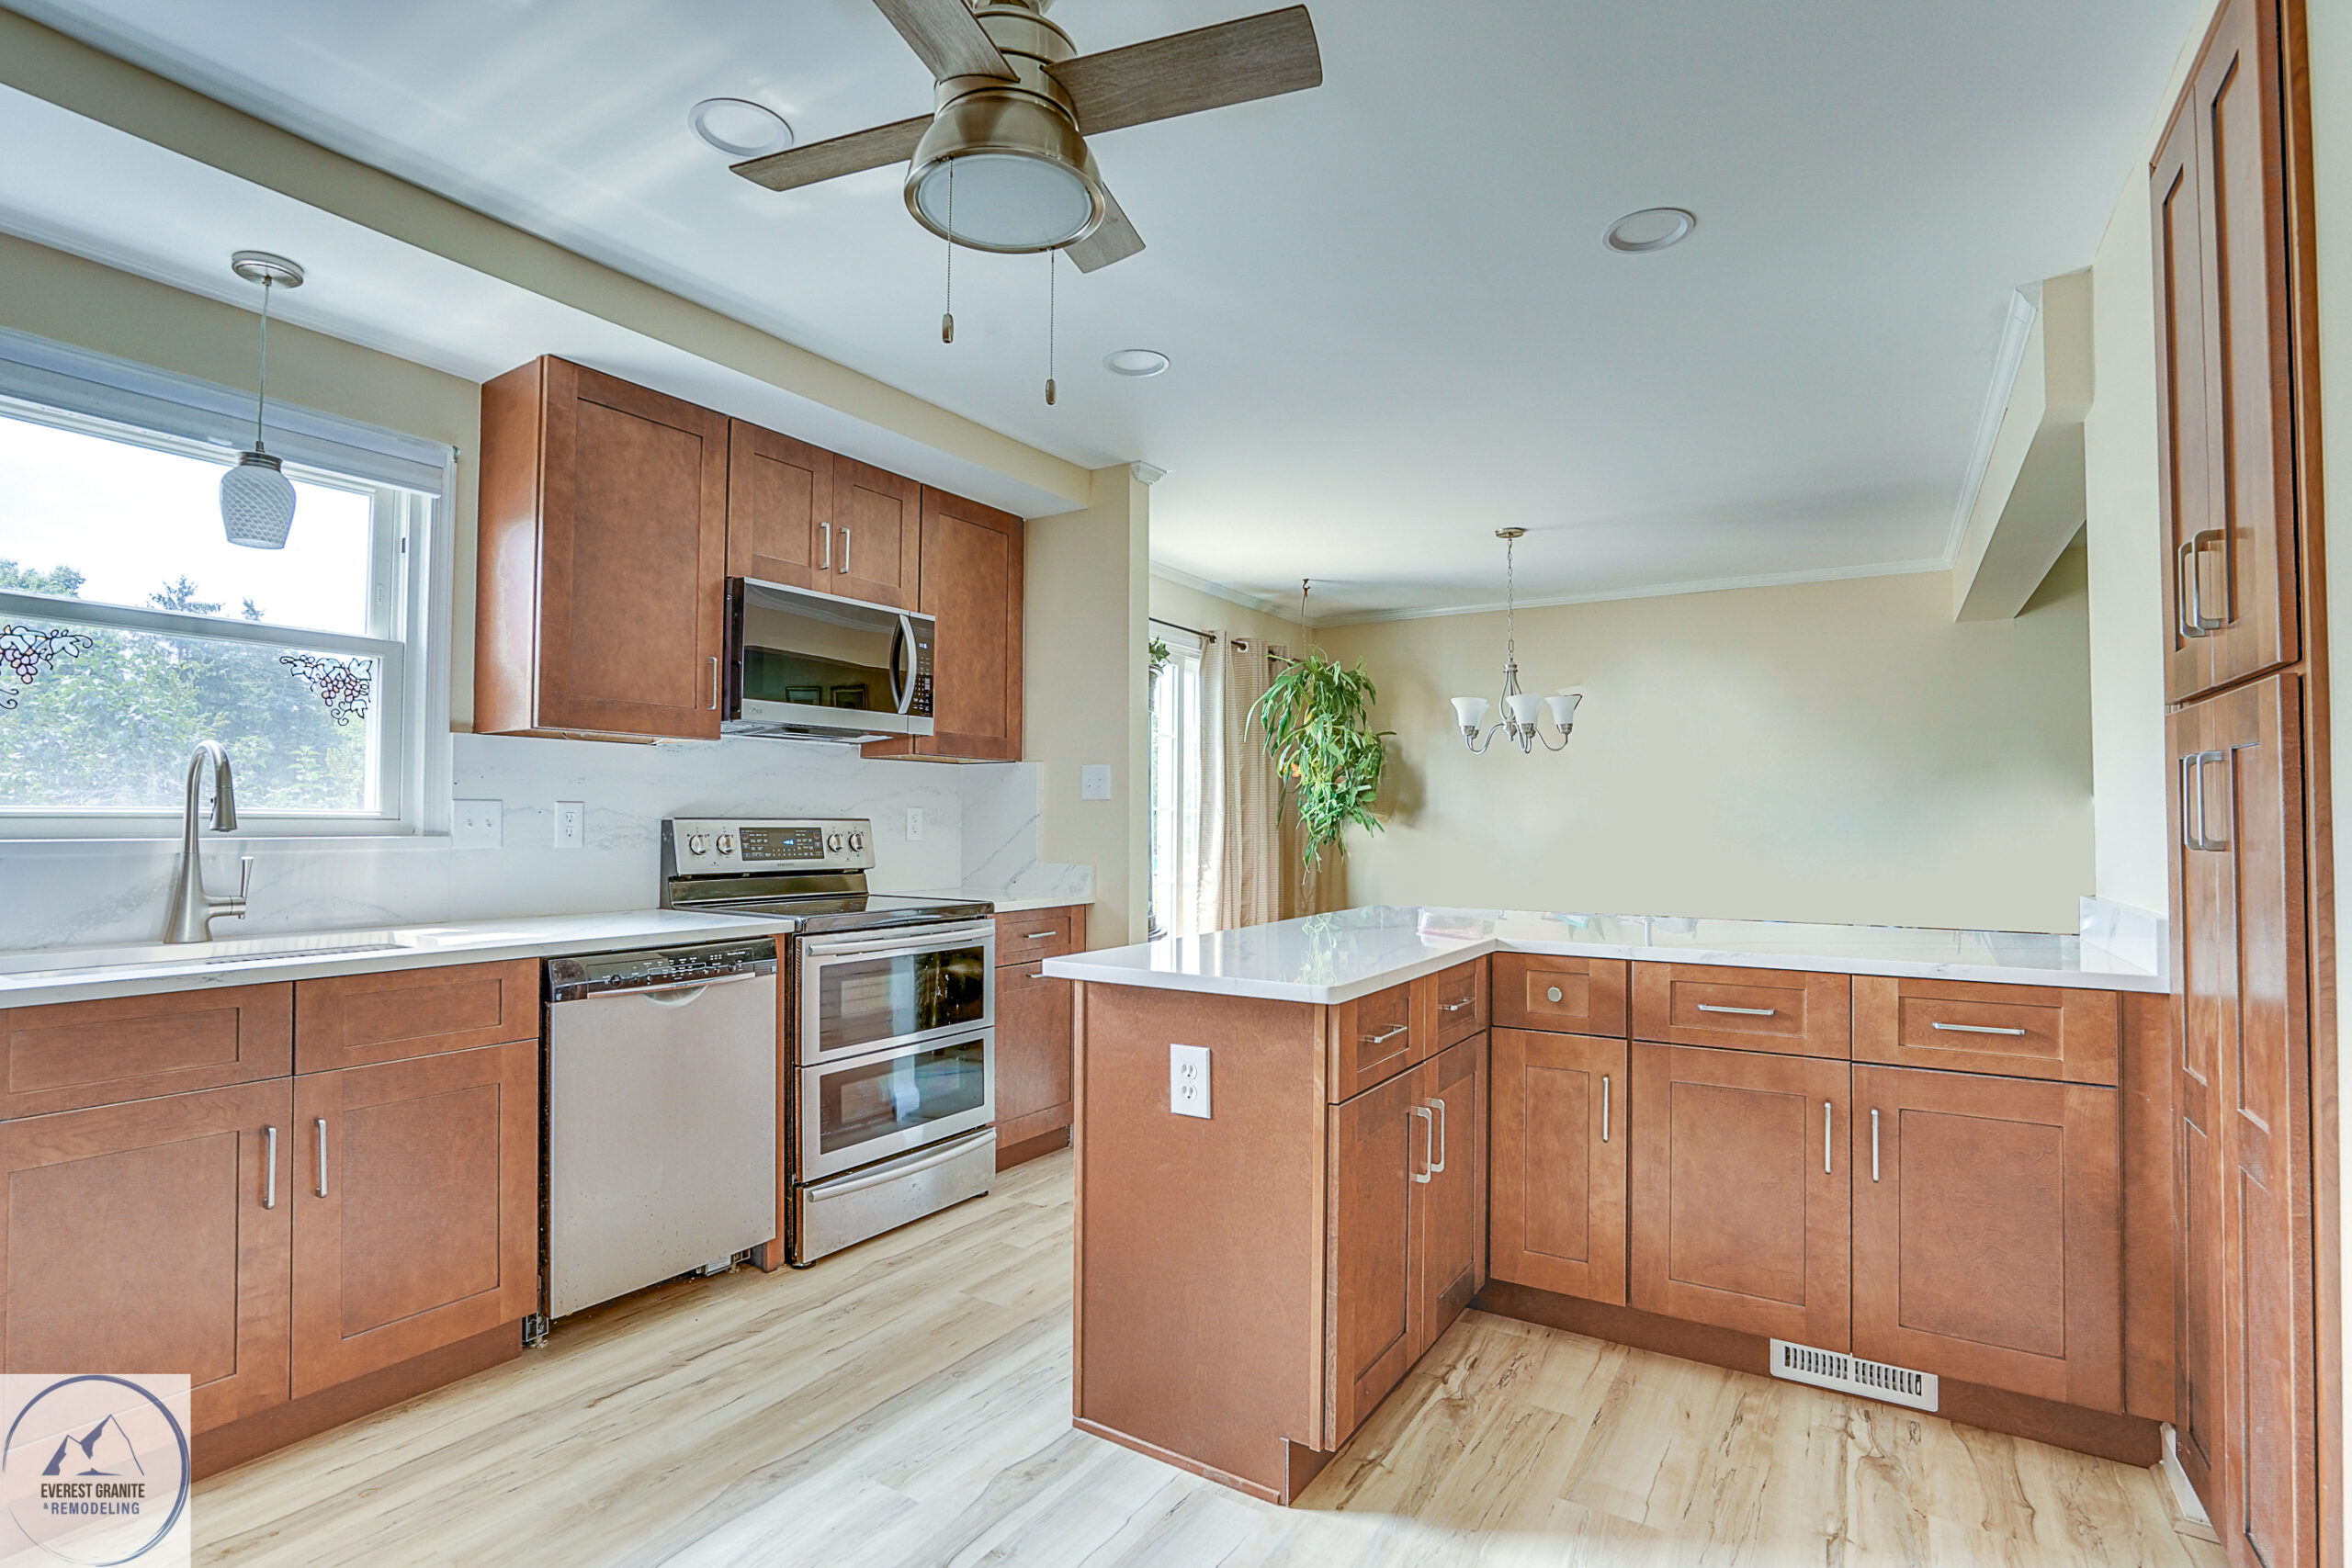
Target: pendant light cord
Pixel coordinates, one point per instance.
(260, 399)
(1511, 601)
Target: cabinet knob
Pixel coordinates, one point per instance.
(1552, 994)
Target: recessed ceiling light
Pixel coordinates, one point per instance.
(1651, 229)
(739, 128)
(1134, 361)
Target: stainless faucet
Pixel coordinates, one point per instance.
(194, 909)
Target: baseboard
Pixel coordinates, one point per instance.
(1010, 1154)
(2130, 1439)
(1257, 1489)
(226, 1447)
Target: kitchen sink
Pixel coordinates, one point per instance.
(47, 961)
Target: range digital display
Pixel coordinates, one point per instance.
(783, 843)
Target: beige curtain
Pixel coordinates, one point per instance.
(1244, 858)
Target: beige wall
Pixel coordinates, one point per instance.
(1826, 751)
(1183, 606)
(1083, 632)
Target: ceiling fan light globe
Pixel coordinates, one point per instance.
(1022, 178)
(256, 502)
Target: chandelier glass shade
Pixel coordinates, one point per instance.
(1521, 721)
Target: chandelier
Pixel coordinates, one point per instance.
(1521, 720)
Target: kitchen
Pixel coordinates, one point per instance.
(772, 844)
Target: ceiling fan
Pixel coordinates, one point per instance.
(1016, 104)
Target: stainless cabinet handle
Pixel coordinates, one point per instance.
(1974, 1028)
(1385, 1035)
(1037, 974)
(713, 682)
(1826, 1119)
(1429, 1134)
(845, 566)
(1038, 936)
(323, 1156)
(1873, 1143)
(1457, 1007)
(825, 542)
(1744, 1012)
(270, 1181)
(2192, 570)
(2205, 840)
(1604, 1107)
(1438, 1163)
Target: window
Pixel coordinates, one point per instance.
(130, 628)
(1176, 785)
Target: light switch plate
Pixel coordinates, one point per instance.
(1094, 782)
(1188, 1080)
(571, 824)
(478, 824)
(914, 823)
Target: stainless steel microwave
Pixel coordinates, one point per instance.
(805, 663)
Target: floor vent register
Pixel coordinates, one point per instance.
(1852, 1374)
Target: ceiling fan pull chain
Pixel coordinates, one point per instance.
(947, 320)
(1053, 261)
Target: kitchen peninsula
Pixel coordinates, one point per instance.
(1926, 1166)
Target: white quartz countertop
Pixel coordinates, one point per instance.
(35, 978)
(1353, 953)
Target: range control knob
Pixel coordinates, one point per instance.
(698, 845)
(833, 843)
(857, 840)
(727, 844)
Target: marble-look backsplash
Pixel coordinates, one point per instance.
(81, 892)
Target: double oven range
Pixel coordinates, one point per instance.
(886, 1084)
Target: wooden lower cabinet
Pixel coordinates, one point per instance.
(416, 1208)
(1450, 1217)
(1559, 1163)
(1989, 1232)
(1033, 1057)
(1741, 1209)
(154, 1237)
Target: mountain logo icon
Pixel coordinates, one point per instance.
(111, 1428)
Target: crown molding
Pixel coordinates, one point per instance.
(1656, 591)
(1219, 591)
(2025, 308)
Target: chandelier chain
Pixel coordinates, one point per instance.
(261, 398)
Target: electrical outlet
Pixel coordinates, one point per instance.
(1188, 1080)
(478, 824)
(571, 824)
(914, 823)
(1094, 782)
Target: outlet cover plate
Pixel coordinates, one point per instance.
(478, 824)
(1094, 782)
(571, 824)
(1188, 1080)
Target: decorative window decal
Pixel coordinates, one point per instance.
(345, 685)
(28, 650)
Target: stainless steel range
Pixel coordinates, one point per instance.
(887, 1070)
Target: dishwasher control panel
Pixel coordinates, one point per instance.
(658, 968)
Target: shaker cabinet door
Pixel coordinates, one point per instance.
(779, 509)
(1450, 1224)
(1032, 1054)
(1559, 1163)
(1377, 1159)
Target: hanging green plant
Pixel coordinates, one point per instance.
(1317, 721)
(1158, 648)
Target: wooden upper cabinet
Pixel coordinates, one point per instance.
(2031, 1032)
(2226, 446)
(153, 1238)
(1741, 1208)
(1559, 1163)
(779, 508)
(1794, 1011)
(603, 559)
(877, 539)
(971, 587)
(1987, 1232)
(416, 1191)
(113, 1049)
(1574, 996)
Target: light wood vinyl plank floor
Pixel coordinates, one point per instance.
(908, 1403)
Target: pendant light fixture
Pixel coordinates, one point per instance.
(1521, 720)
(256, 499)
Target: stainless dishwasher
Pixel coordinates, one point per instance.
(661, 1115)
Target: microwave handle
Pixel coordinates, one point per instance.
(901, 653)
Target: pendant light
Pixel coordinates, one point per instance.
(256, 499)
(1522, 721)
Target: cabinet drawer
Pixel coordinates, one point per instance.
(351, 1021)
(1372, 1040)
(1744, 1010)
(1455, 1002)
(2022, 1031)
(69, 1055)
(1568, 996)
(1036, 933)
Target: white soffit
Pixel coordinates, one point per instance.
(1393, 326)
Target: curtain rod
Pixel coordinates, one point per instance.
(1180, 627)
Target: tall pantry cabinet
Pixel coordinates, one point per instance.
(2246, 682)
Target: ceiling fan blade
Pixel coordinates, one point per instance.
(1115, 240)
(945, 36)
(1232, 63)
(860, 150)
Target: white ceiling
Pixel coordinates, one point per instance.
(1392, 323)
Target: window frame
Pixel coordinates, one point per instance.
(411, 480)
(1181, 679)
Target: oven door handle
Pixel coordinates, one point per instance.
(820, 1194)
(911, 938)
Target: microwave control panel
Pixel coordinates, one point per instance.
(920, 701)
